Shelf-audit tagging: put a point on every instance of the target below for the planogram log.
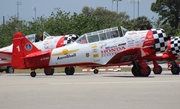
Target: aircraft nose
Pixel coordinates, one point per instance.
(160, 40)
(175, 46)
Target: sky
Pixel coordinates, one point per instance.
(44, 8)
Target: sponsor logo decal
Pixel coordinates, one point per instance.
(94, 50)
(66, 54)
(111, 50)
(96, 60)
(95, 55)
(87, 54)
(94, 46)
(28, 47)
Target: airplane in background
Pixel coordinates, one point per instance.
(100, 48)
(49, 42)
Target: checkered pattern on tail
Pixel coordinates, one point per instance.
(70, 38)
(175, 46)
(160, 39)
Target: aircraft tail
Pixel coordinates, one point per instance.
(21, 48)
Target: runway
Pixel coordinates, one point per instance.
(106, 90)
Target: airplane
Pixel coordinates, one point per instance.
(100, 48)
(49, 42)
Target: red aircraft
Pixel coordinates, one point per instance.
(49, 42)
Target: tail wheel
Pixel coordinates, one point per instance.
(49, 71)
(33, 74)
(96, 71)
(69, 70)
(158, 71)
(9, 69)
(145, 72)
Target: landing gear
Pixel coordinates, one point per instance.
(9, 69)
(96, 71)
(175, 68)
(139, 71)
(69, 70)
(136, 71)
(49, 71)
(157, 70)
(33, 74)
(145, 72)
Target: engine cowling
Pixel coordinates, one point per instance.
(160, 40)
(175, 46)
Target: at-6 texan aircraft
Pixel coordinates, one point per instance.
(100, 48)
(47, 42)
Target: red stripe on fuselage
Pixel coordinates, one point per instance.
(60, 42)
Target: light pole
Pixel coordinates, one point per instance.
(35, 17)
(116, 4)
(134, 2)
(34, 12)
(18, 3)
(138, 7)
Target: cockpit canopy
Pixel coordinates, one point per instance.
(99, 35)
(33, 37)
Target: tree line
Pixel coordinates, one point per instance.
(90, 19)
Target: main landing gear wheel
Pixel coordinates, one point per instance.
(175, 68)
(159, 71)
(137, 71)
(9, 69)
(49, 71)
(69, 70)
(96, 71)
(33, 74)
(145, 72)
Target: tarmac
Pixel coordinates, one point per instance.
(106, 90)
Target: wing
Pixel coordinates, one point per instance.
(5, 58)
(126, 56)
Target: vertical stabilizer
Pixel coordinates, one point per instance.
(21, 48)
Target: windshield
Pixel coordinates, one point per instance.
(31, 37)
(82, 39)
(45, 35)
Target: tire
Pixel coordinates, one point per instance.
(96, 71)
(49, 71)
(146, 74)
(159, 70)
(136, 71)
(69, 70)
(9, 69)
(175, 70)
(33, 74)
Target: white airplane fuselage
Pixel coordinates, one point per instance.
(99, 52)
